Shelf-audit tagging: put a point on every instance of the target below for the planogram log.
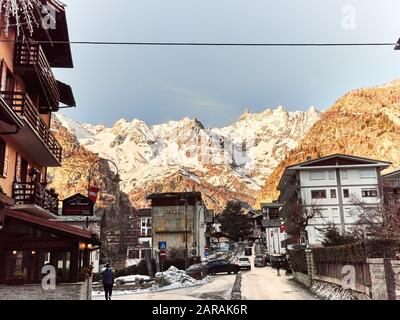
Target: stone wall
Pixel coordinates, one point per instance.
(384, 284)
(304, 279)
(74, 291)
(395, 266)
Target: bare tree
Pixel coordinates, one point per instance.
(381, 221)
(297, 215)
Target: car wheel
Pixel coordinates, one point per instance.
(236, 271)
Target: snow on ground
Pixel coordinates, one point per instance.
(174, 278)
(128, 279)
(331, 292)
(132, 262)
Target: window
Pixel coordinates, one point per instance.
(333, 193)
(331, 174)
(344, 174)
(4, 158)
(324, 213)
(317, 175)
(335, 213)
(367, 173)
(318, 194)
(369, 193)
(346, 193)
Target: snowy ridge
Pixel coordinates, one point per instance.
(237, 158)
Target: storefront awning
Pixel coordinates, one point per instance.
(54, 227)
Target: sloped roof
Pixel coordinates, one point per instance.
(393, 174)
(52, 226)
(324, 162)
(361, 160)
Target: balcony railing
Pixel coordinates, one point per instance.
(33, 193)
(31, 55)
(391, 183)
(24, 107)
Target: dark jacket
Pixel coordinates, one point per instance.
(108, 276)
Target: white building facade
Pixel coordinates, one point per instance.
(275, 235)
(334, 186)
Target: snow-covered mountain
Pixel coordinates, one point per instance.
(226, 163)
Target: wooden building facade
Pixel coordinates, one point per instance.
(29, 95)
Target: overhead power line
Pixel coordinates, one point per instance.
(217, 44)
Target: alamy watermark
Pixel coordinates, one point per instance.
(49, 21)
(349, 277)
(49, 280)
(349, 17)
(206, 148)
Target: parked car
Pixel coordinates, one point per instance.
(219, 266)
(244, 263)
(259, 261)
(248, 251)
(280, 261)
(197, 271)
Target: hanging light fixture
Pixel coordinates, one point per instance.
(22, 12)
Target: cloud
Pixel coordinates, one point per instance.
(196, 99)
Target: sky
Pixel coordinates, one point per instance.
(216, 84)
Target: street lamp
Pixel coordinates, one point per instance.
(202, 208)
(115, 179)
(397, 47)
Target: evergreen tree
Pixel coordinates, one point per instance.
(233, 222)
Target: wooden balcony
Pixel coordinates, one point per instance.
(34, 198)
(35, 137)
(30, 60)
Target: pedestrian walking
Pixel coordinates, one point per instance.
(108, 281)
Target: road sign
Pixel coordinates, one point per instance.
(163, 254)
(162, 245)
(93, 193)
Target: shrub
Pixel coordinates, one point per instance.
(358, 252)
(298, 260)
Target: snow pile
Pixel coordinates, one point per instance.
(132, 262)
(176, 278)
(131, 279)
(331, 292)
(173, 278)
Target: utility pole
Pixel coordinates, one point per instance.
(186, 232)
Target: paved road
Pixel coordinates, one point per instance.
(218, 288)
(257, 284)
(265, 284)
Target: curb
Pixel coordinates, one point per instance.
(237, 288)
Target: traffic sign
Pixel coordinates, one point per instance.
(162, 245)
(163, 254)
